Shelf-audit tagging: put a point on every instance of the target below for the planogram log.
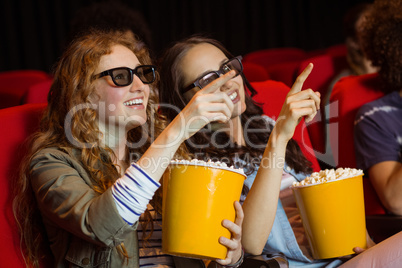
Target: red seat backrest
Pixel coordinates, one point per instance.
(17, 123)
(280, 63)
(338, 54)
(254, 72)
(321, 75)
(272, 95)
(15, 84)
(318, 80)
(285, 72)
(270, 56)
(38, 93)
(348, 95)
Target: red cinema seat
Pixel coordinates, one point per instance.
(318, 80)
(270, 56)
(280, 63)
(38, 93)
(338, 53)
(272, 95)
(285, 72)
(15, 84)
(17, 123)
(254, 72)
(348, 95)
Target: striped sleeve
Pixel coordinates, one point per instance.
(132, 193)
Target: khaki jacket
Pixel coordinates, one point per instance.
(84, 228)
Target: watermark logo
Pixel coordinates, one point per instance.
(117, 125)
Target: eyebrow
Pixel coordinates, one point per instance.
(209, 71)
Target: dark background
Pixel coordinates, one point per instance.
(34, 32)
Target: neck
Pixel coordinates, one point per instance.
(233, 128)
(115, 140)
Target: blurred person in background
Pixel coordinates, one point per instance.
(378, 124)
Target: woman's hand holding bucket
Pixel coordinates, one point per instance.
(234, 244)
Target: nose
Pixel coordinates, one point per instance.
(227, 85)
(137, 84)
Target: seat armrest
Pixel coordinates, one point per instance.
(381, 227)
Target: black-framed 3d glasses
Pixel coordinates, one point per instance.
(123, 76)
(232, 64)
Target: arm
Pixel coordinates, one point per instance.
(386, 178)
(378, 151)
(261, 202)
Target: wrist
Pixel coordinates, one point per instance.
(177, 129)
(278, 138)
(171, 135)
(236, 264)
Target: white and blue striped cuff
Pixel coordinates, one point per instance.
(132, 193)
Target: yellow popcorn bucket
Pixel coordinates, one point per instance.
(333, 216)
(196, 199)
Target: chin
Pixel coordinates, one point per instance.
(239, 110)
(136, 121)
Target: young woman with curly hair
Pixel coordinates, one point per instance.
(250, 139)
(378, 125)
(79, 180)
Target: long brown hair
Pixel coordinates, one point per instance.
(71, 88)
(171, 84)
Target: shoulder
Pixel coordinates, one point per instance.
(54, 158)
(54, 153)
(389, 99)
(378, 108)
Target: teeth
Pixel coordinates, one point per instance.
(233, 96)
(133, 102)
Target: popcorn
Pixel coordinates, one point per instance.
(209, 163)
(328, 175)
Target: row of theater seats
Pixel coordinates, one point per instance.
(283, 64)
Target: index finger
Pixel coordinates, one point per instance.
(217, 83)
(297, 86)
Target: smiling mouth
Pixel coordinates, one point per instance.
(133, 102)
(233, 95)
